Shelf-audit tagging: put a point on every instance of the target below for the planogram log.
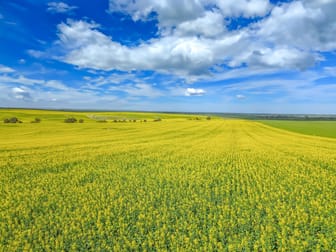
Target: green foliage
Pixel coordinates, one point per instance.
(315, 128)
(12, 120)
(36, 120)
(70, 120)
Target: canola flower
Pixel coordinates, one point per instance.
(176, 185)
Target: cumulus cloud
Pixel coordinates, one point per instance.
(60, 7)
(90, 48)
(308, 25)
(170, 12)
(194, 37)
(173, 12)
(211, 24)
(245, 8)
(282, 57)
(194, 92)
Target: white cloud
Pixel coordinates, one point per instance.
(36, 96)
(173, 12)
(297, 90)
(282, 57)
(194, 92)
(185, 56)
(211, 24)
(22, 61)
(36, 53)
(60, 7)
(21, 93)
(112, 79)
(89, 48)
(20, 80)
(55, 84)
(240, 96)
(193, 38)
(170, 12)
(331, 71)
(6, 69)
(308, 25)
(245, 8)
(139, 89)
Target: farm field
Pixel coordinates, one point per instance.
(315, 128)
(171, 185)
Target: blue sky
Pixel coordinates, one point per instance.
(170, 55)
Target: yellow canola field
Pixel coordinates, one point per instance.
(174, 185)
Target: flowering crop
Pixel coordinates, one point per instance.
(178, 184)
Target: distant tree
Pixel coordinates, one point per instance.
(145, 120)
(70, 120)
(36, 120)
(157, 120)
(81, 121)
(208, 118)
(12, 120)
